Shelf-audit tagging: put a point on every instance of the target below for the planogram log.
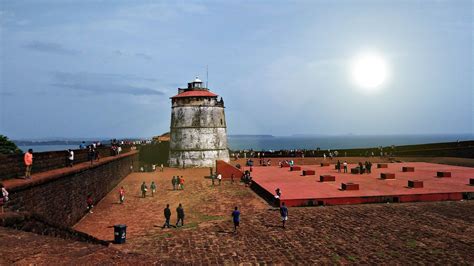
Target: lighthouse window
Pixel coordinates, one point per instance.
(221, 122)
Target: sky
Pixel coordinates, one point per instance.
(107, 68)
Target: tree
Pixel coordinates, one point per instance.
(7, 146)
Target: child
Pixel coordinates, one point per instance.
(181, 182)
(122, 195)
(153, 188)
(90, 203)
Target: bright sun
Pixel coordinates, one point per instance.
(369, 71)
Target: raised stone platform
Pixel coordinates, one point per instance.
(308, 190)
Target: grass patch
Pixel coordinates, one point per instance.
(190, 225)
(411, 243)
(352, 258)
(241, 193)
(336, 258)
(206, 218)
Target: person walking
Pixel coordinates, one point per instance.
(153, 188)
(180, 213)
(181, 183)
(284, 214)
(122, 195)
(70, 157)
(173, 182)
(236, 218)
(345, 166)
(219, 178)
(167, 213)
(144, 189)
(28, 159)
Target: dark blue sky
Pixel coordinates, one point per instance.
(108, 68)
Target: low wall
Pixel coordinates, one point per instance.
(61, 197)
(226, 170)
(12, 166)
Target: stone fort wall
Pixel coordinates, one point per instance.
(61, 197)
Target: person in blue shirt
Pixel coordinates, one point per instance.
(236, 218)
(283, 213)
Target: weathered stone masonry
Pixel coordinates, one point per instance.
(61, 199)
(198, 128)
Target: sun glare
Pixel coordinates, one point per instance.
(369, 71)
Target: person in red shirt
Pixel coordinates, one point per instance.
(90, 203)
(28, 163)
(122, 195)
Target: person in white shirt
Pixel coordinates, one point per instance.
(71, 157)
(219, 178)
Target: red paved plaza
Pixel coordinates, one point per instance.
(298, 190)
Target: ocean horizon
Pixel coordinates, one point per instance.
(270, 142)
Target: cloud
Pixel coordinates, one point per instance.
(143, 56)
(99, 83)
(49, 47)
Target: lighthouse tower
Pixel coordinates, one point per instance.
(198, 132)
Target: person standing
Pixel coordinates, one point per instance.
(181, 183)
(28, 159)
(219, 178)
(236, 218)
(144, 189)
(338, 166)
(122, 195)
(212, 178)
(180, 213)
(90, 154)
(153, 188)
(161, 167)
(3, 196)
(345, 166)
(284, 214)
(173, 182)
(70, 157)
(167, 213)
(232, 178)
(90, 203)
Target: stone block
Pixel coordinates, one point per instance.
(471, 181)
(295, 168)
(355, 170)
(349, 186)
(387, 175)
(408, 169)
(382, 165)
(309, 172)
(327, 178)
(443, 174)
(415, 183)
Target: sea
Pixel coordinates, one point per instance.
(269, 142)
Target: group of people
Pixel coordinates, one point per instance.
(177, 182)
(179, 214)
(143, 189)
(338, 166)
(264, 162)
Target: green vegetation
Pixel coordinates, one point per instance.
(8, 147)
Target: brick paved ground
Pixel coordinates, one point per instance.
(433, 233)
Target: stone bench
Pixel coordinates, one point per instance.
(295, 168)
(327, 178)
(382, 165)
(349, 186)
(415, 183)
(387, 175)
(408, 169)
(309, 172)
(443, 174)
